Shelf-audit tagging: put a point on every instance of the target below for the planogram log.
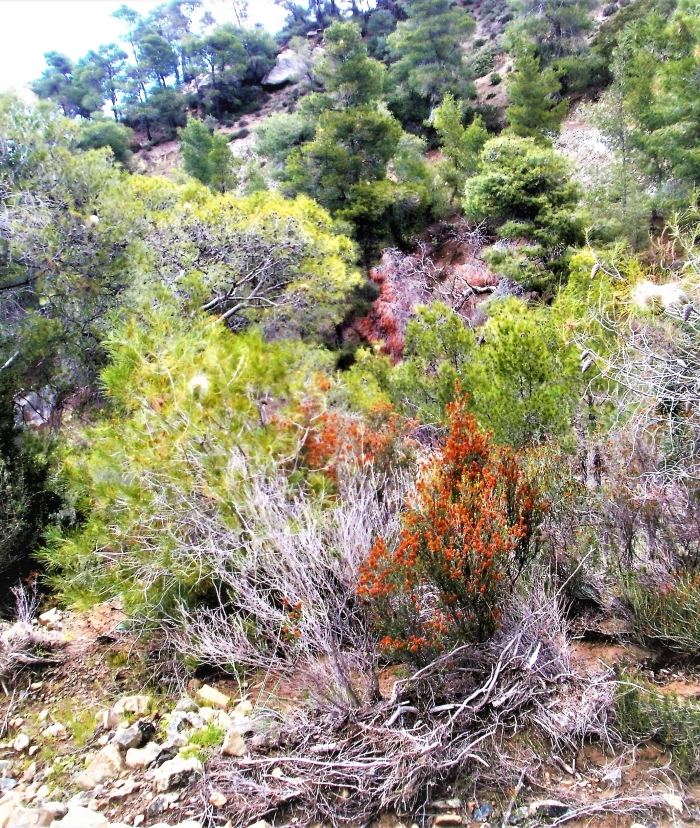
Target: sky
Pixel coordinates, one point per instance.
(28, 28)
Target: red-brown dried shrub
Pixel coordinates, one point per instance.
(466, 538)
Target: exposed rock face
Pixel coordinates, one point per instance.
(290, 68)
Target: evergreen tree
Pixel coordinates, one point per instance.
(460, 146)
(427, 52)
(206, 156)
(534, 110)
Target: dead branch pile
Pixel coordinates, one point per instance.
(343, 764)
(24, 644)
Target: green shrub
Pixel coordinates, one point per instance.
(643, 713)
(666, 614)
(495, 79)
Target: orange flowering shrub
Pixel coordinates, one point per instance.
(334, 438)
(466, 538)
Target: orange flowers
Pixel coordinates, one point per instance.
(469, 534)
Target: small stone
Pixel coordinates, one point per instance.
(447, 819)
(5, 766)
(211, 696)
(132, 704)
(43, 792)
(55, 731)
(143, 757)
(223, 720)
(186, 705)
(234, 744)
(139, 819)
(51, 617)
(36, 685)
(277, 773)
(262, 823)
(195, 720)
(30, 773)
(7, 784)
(107, 764)
(482, 813)
(79, 817)
(674, 801)
(189, 823)
(208, 713)
(176, 772)
(57, 809)
(128, 737)
(43, 716)
(21, 743)
(244, 707)
(548, 808)
(217, 799)
(29, 818)
(34, 749)
(157, 806)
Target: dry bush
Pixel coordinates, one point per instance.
(24, 645)
(453, 716)
(289, 578)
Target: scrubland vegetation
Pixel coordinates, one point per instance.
(402, 388)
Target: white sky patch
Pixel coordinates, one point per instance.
(29, 28)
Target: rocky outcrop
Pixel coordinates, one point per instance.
(290, 68)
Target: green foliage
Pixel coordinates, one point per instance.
(70, 238)
(524, 189)
(280, 134)
(643, 713)
(427, 55)
(520, 376)
(183, 433)
(258, 259)
(207, 157)
(666, 613)
(103, 133)
(557, 26)
(460, 146)
(534, 110)
(352, 78)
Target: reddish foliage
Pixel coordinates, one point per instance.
(468, 535)
(335, 438)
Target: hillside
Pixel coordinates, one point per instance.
(349, 420)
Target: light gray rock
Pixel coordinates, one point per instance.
(29, 818)
(143, 757)
(234, 744)
(132, 704)
(290, 68)
(78, 817)
(57, 809)
(21, 743)
(176, 772)
(214, 698)
(195, 720)
(128, 737)
(186, 705)
(106, 764)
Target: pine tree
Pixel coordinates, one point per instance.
(534, 110)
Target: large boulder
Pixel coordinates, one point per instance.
(290, 68)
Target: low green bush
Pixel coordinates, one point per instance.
(643, 713)
(666, 614)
